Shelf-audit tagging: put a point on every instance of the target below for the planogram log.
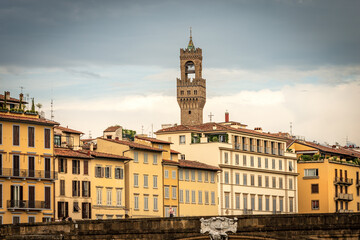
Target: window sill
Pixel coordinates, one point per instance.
(311, 177)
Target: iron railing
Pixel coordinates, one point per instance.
(345, 181)
(26, 173)
(26, 204)
(344, 196)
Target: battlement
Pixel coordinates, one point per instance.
(191, 82)
(190, 51)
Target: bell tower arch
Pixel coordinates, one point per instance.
(191, 87)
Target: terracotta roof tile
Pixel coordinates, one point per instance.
(69, 130)
(173, 151)
(13, 100)
(106, 155)
(112, 129)
(170, 162)
(134, 145)
(22, 118)
(153, 140)
(66, 152)
(198, 165)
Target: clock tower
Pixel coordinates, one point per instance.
(191, 87)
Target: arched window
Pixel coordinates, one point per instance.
(189, 70)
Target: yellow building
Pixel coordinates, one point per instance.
(143, 176)
(27, 170)
(198, 192)
(329, 178)
(67, 138)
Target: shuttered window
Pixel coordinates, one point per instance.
(1, 198)
(76, 188)
(62, 187)
(86, 167)
(31, 136)
(16, 135)
(0, 133)
(47, 197)
(47, 137)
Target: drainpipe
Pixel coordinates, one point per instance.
(125, 176)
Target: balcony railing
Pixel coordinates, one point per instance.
(27, 205)
(26, 173)
(343, 181)
(247, 211)
(344, 211)
(344, 196)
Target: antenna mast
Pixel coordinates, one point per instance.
(291, 129)
(52, 109)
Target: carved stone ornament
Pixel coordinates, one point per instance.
(218, 226)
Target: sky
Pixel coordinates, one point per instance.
(268, 62)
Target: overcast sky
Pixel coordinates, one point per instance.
(268, 62)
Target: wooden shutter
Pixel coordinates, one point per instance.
(102, 172)
(59, 210)
(47, 197)
(83, 210)
(65, 160)
(121, 173)
(31, 197)
(73, 188)
(21, 193)
(78, 166)
(31, 136)
(86, 167)
(62, 187)
(83, 188)
(59, 164)
(16, 135)
(89, 205)
(0, 133)
(31, 166)
(47, 137)
(89, 187)
(66, 209)
(1, 198)
(78, 190)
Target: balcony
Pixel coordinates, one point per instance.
(25, 173)
(27, 205)
(344, 211)
(344, 196)
(247, 211)
(343, 181)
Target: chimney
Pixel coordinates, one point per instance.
(91, 146)
(7, 94)
(258, 129)
(226, 116)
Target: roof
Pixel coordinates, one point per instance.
(211, 127)
(66, 152)
(14, 100)
(198, 165)
(21, 118)
(170, 162)
(106, 155)
(69, 130)
(134, 145)
(112, 129)
(175, 152)
(153, 140)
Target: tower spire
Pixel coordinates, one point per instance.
(191, 44)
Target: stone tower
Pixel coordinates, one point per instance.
(191, 87)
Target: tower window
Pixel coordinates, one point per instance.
(195, 92)
(182, 92)
(189, 111)
(188, 92)
(189, 70)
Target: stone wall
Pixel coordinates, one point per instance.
(294, 226)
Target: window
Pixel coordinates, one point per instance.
(136, 202)
(99, 196)
(108, 197)
(273, 164)
(16, 219)
(252, 202)
(16, 135)
(206, 197)
(186, 174)
(136, 180)
(47, 202)
(166, 174)
(212, 177)
(76, 207)
(274, 182)
(136, 157)
(267, 203)
(291, 204)
(160, 146)
(76, 188)
(86, 210)
(187, 196)
(167, 192)
(280, 164)
(182, 156)
(57, 140)
(244, 160)
(182, 139)
(31, 137)
(181, 195)
(99, 172)
(180, 174)
(146, 202)
(1, 197)
(193, 175)
(146, 181)
(274, 204)
(315, 204)
(173, 174)
(108, 172)
(62, 187)
(145, 158)
(47, 137)
(260, 181)
(76, 166)
(118, 197)
(195, 92)
(200, 197)
(226, 177)
(212, 198)
(199, 176)
(226, 157)
(237, 178)
(252, 180)
(266, 163)
(281, 203)
(182, 92)
(119, 173)
(237, 159)
(290, 184)
(314, 188)
(193, 197)
(311, 172)
(227, 200)
(291, 166)
(280, 183)
(155, 185)
(154, 159)
(260, 203)
(252, 164)
(155, 203)
(259, 162)
(237, 200)
(86, 167)
(266, 181)
(173, 192)
(244, 179)
(0, 133)
(245, 201)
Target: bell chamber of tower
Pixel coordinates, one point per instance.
(191, 87)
